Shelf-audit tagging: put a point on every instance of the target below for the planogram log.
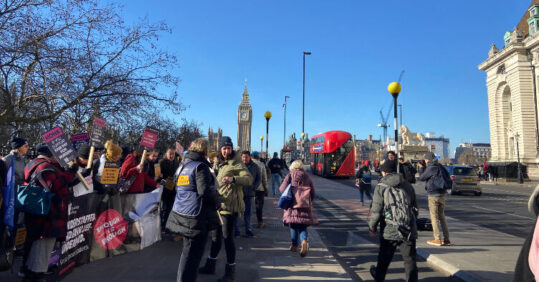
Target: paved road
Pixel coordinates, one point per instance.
(501, 207)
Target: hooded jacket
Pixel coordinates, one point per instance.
(389, 231)
(427, 175)
(304, 216)
(231, 194)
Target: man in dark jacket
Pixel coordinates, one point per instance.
(436, 197)
(407, 170)
(276, 165)
(194, 212)
(248, 193)
(390, 234)
(169, 165)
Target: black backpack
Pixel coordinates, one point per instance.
(441, 179)
(409, 173)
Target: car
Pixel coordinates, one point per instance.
(464, 179)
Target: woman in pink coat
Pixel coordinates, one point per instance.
(301, 215)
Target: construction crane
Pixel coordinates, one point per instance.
(384, 123)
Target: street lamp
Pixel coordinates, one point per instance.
(395, 88)
(303, 114)
(261, 148)
(267, 115)
(303, 155)
(519, 170)
(284, 134)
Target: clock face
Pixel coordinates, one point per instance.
(243, 115)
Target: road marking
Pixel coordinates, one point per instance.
(516, 215)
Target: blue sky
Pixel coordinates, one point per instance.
(358, 48)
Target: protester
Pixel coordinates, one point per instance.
(527, 267)
(19, 149)
(298, 219)
(261, 190)
(149, 164)
(436, 198)
(232, 175)
(407, 170)
(395, 207)
(108, 160)
(195, 208)
(275, 165)
(248, 193)
(168, 165)
(391, 155)
(43, 231)
(132, 168)
(363, 180)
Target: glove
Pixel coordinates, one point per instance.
(73, 168)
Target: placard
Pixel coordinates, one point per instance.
(97, 132)
(60, 146)
(110, 175)
(80, 139)
(157, 169)
(149, 137)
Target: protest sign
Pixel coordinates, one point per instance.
(149, 137)
(98, 129)
(80, 139)
(157, 170)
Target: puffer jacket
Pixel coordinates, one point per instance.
(231, 194)
(389, 231)
(427, 175)
(304, 216)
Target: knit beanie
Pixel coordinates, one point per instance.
(114, 152)
(17, 142)
(84, 151)
(225, 141)
(43, 150)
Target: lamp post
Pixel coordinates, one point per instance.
(267, 115)
(303, 112)
(303, 155)
(395, 88)
(284, 134)
(519, 170)
(261, 148)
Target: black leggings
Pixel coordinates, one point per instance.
(226, 232)
(259, 202)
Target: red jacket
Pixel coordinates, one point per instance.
(129, 169)
(54, 224)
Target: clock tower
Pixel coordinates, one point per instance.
(245, 119)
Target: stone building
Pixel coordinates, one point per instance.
(214, 138)
(512, 92)
(438, 145)
(480, 150)
(245, 120)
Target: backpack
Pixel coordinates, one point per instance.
(398, 210)
(441, 179)
(409, 173)
(366, 178)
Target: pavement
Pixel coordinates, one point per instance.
(477, 253)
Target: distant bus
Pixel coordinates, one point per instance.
(332, 154)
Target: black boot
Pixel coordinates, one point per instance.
(209, 267)
(230, 273)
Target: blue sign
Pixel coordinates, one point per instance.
(318, 148)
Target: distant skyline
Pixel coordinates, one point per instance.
(358, 48)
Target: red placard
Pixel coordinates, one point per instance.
(149, 137)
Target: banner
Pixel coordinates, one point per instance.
(98, 129)
(60, 146)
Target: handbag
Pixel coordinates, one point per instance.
(33, 198)
(287, 198)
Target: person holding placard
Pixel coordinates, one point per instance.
(168, 165)
(132, 167)
(106, 169)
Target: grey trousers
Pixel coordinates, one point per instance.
(40, 253)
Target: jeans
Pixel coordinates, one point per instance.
(226, 233)
(275, 183)
(437, 217)
(193, 248)
(259, 202)
(385, 255)
(298, 230)
(246, 215)
(365, 189)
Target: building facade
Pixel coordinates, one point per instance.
(214, 138)
(438, 145)
(245, 120)
(480, 150)
(512, 92)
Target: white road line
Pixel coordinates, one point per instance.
(515, 215)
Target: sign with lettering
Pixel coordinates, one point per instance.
(60, 146)
(110, 175)
(80, 139)
(149, 137)
(97, 132)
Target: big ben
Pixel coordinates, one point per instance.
(245, 119)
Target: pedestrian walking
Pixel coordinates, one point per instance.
(394, 207)
(363, 181)
(44, 230)
(436, 177)
(248, 193)
(195, 208)
(232, 175)
(261, 190)
(301, 215)
(275, 165)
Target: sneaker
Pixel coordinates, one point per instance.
(294, 248)
(261, 225)
(435, 242)
(304, 248)
(249, 233)
(447, 243)
(372, 270)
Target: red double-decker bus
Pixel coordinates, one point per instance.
(332, 154)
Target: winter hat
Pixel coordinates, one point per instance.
(84, 151)
(429, 156)
(275, 154)
(43, 150)
(389, 166)
(114, 152)
(255, 154)
(225, 141)
(17, 142)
